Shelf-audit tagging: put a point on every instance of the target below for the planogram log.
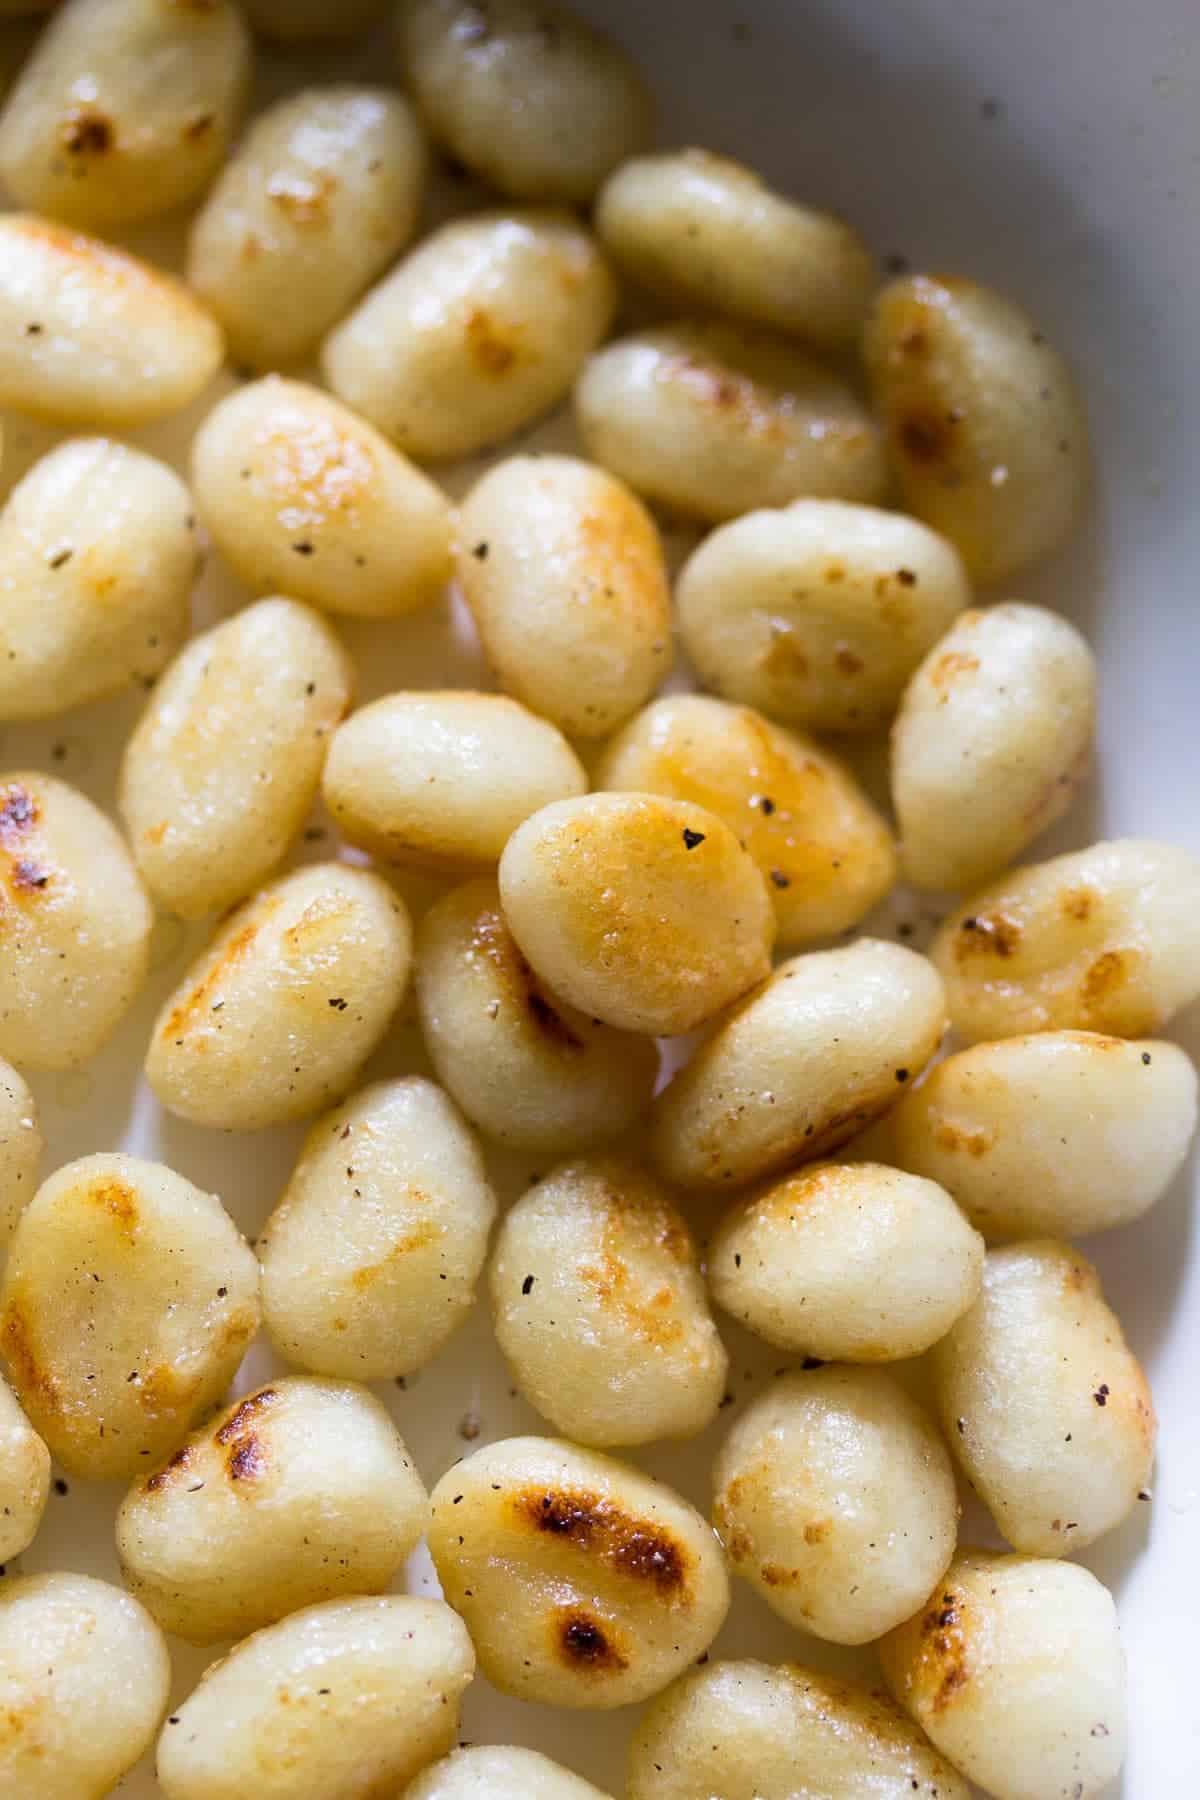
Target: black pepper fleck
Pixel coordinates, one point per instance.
(692, 838)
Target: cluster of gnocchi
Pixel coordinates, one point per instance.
(612, 864)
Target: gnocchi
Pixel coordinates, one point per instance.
(712, 419)
(815, 837)
(353, 1697)
(528, 1069)
(835, 1499)
(600, 1309)
(1060, 1133)
(77, 922)
(483, 1772)
(125, 109)
(1014, 1668)
(477, 333)
(128, 1301)
(442, 780)
(299, 1492)
(849, 1263)
(1047, 1408)
(818, 613)
(700, 230)
(323, 193)
(992, 740)
(564, 573)
(98, 553)
(985, 431)
(583, 1582)
(225, 762)
(802, 1065)
(1105, 939)
(278, 1015)
(90, 335)
(24, 1480)
(744, 1730)
(644, 912)
(21, 1146)
(523, 93)
(86, 1677)
(371, 1257)
(304, 498)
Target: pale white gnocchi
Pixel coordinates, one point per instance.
(847, 1263)
(278, 1015)
(583, 1582)
(303, 497)
(98, 552)
(1015, 1669)
(486, 1772)
(564, 573)
(600, 1309)
(24, 1480)
(225, 762)
(125, 109)
(322, 194)
(642, 911)
(353, 1697)
(128, 1301)
(299, 1492)
(803, 1064)
(818, 613)
(985, 431)
(744, 1730)
(523, 93)
(1046, 1406)
(703, 231)
(86, 1678)
(90, 335)
(1060, 1133)
(712, 419)
(478, 332)
(371, 1257)
(835, 1499)
(441, 780)
(527, 1068)
(992, 740)
(21, 1146)
(77, 923)
(817, 840)
(1105, 939)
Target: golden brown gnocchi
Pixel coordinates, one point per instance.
(278, 1015)
(485, 1772)
(24, 1480)
(564, 573)
(642, 911)
(128, 1301)
(322, 194)
(478, 332)
(802, 1065)
(992, 740)
(600, 1309)
(1014, 1668)
(77, 922)
(1105, 939)
(523, 93)
(21, 1146)
(527, 1068)
(847, 1263)
(817, 840)
(985, 431)
(1059, 1133)
(370, 1259)
(303, 497)
(712, 419)
(299, 1492)
(818, 613)
(353, 1697)
(583, 1582)
(125, 109)
(441, 780)
(98, 550)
